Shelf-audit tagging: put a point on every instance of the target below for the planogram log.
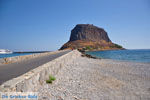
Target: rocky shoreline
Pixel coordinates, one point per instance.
(99, 79)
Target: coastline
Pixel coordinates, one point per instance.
(134, 55)
(91, 79)
(84, 78)
(106, 49)
(9, 60)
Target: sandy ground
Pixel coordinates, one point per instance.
(99, 79)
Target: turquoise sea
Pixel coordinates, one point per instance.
(136, 55)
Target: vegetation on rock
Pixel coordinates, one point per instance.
(89, 37)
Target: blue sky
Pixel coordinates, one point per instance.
(27, 25)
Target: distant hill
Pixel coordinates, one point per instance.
(89, 37)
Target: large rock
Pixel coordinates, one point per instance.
(87, 36)
(88, 32)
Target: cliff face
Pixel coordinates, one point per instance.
(89, 37)
(89, 33)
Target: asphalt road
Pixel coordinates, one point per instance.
(9, 71)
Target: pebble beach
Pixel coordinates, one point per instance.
(99, 79)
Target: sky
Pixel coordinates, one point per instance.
(41, 25)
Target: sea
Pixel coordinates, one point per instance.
(133, 55)
(14, 54)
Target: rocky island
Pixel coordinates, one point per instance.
(89, 37)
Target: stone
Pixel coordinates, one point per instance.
(89, 37)
(88, 32)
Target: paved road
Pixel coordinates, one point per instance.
(13, 70)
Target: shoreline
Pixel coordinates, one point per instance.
(120, 57)
(14, 59)
(85, 78)
(91, 79)
(101, 50)
(106, 49)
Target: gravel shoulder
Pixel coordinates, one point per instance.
(13, 70)
(99, 79)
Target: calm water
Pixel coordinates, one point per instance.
(142, 55)
(14, 54)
